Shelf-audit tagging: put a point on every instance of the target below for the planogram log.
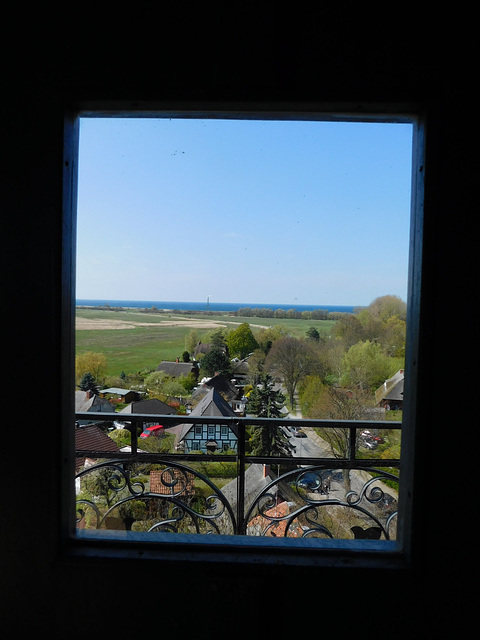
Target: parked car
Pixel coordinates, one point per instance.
(298, 433)
(310, 481)
(156, 430)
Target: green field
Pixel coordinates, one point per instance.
(144, 347)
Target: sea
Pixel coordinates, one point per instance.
(208, 305)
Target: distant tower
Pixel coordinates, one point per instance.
(208, 303)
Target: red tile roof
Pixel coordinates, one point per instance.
(159, 481)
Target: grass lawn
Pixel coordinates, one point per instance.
(132, 350)
(144, 347)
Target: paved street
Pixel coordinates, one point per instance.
(314, 446)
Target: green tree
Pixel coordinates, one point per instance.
(215, 361)
(267, 402)
(264, 400)
(384, 321)
(366, 366)
(241, 341)
(87, 382)
(349, 330)
(266, 337)
(92, 362)
(218, 338)
(191, 340)
(160, 383)
(309, 395)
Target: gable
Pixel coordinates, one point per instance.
(152, 406)
(211, 405)
(88, 401)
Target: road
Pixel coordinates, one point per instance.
(312, 446)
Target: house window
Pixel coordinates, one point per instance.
(282, 188)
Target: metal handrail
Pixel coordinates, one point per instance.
(115, 460)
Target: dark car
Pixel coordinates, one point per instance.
(298, 433)
(310, 481)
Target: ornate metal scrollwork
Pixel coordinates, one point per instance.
(313, 501)
(111, 496)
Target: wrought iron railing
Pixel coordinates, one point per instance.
(314, 493)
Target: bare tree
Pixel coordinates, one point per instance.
(344, 404)
(290, 359)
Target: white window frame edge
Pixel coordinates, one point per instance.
(351, 553)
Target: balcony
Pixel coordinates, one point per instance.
(311, 494)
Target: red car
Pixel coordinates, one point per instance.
(156, 430)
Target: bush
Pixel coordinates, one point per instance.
(121, 437)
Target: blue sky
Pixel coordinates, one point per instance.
(243, 211)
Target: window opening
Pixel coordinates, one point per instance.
(252, 273)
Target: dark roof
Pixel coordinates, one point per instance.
(240, 367)
(152, 406)
(210, 405)
(213, 405)
(201, 347)
(177, 369)
(391, 389)
(223, 384)
(92, 438)
(396, 393)
(86, 402)
(118, 391)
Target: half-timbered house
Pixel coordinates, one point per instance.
(209, 437)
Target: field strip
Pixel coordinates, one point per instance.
(89, 324)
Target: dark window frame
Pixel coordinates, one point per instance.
(223, 550)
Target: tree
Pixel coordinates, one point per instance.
(160, 383)
(367, 367)
(218, 337)
(312, 334)
(94, 363)
(266, 337)
(292, 360)
(335, 403)
(191, 340)
(383, 308)
(241, 341)
(87, 382)
(267, 402)
(264, 400)
(349, 329)
(215, 361)
(310, 394)
(384, 321)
